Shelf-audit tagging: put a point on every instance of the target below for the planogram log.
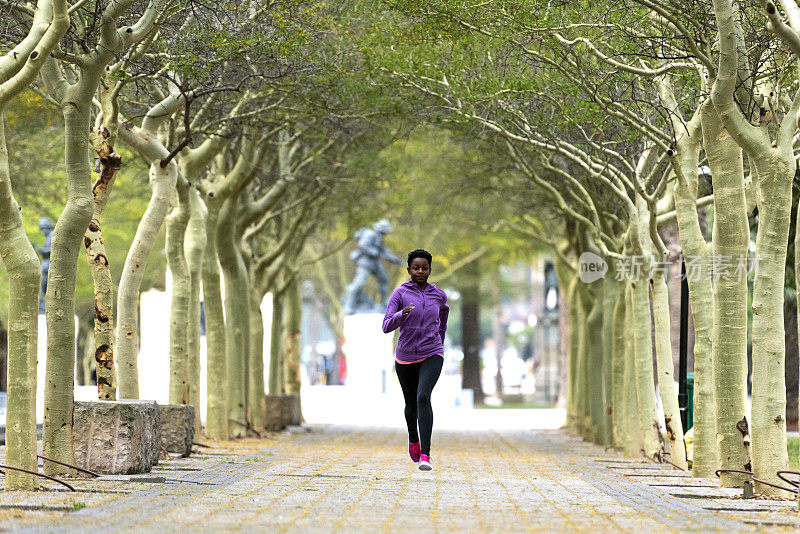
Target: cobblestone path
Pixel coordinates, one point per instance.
(340, 479)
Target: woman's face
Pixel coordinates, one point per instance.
(419, 270)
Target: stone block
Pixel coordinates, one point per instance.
(290, 410)
(275, 421)
(177, 428)
(117, 437)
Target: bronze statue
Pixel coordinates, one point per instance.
(367, 257)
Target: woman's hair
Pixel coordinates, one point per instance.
(420, 253)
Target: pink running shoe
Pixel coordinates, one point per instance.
(413, 451)
(425, 462)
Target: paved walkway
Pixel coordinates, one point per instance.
(346, 479)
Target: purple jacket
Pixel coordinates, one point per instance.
(421, 331)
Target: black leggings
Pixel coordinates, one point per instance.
(417, 381)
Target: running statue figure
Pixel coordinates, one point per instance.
(46, 227)
(367, 258)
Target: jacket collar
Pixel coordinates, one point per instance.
(413, 285)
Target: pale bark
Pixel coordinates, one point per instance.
(194, 249)
(792, 11)
(103, 138)
(18, 68)
(730, 240)
(75, 100)
(221, 195)
(67, 239)
(640, 245)
(582, 389)
(574, 342)
(163, 180)
(256, 390)
(618, 352)
(237, 321)
(103, 339)
(217, 397)
(262, 271)
(666, 382)
(643, 366)
(696, 251)
(274, 271)
(276, 349)
(192, 162)
(177, 222)
(633, 442)
(610, 299)
(294, 314)
(22, 265)
(594, 380)
(775, 174)
(774, 167)
(650, 244)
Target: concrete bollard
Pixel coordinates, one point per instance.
(177, 428)
(117, 437)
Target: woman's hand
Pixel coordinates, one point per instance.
(407, 309)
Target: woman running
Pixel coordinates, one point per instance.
(420, 310)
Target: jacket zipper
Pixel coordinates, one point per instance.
(420, 332)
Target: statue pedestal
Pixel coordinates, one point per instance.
(369, 355)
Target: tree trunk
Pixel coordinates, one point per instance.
(294, 315)
(162, 182)
(594, 379)
(706, 451)
(22, 265)
(731, 236)
(773, 167)
(618, 351)
(575, 329)
(470, 332)
(257, 390)
(237, 321)
(664, 366)
(103, 345)
(633, 443)
(610, 299)
(49, 24)
(582, 390)
(60, 296)
(276, 352)
(775, 174)
(696, 252)
(177, 221)
(217, 375)
(194, 248)
(643, 354)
